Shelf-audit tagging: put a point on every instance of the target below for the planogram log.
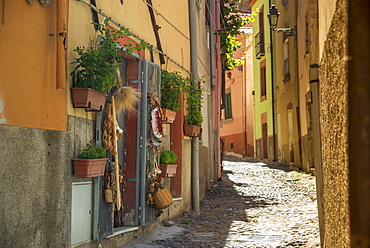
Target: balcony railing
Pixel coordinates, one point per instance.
(260, 45)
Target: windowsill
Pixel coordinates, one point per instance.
(124, 229)
(120, 230)
(228, 121)
(81, 243)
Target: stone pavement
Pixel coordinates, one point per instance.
(257, 204)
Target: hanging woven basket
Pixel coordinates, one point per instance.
(162, 198)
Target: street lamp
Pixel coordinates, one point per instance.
(273, 16)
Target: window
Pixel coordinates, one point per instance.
(263, 81)
(228, 108)
(286, 72)
(207, 13)
(307, 41)
(260, 36)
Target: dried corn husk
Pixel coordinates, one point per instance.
(126, 99)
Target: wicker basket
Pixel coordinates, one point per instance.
(162, 199)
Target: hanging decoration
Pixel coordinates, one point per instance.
(153, 169)
(109, 184)
(157, 123)
(155, 132)
(156, 116)
(108, 132)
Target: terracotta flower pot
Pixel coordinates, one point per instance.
(192, 130)
(168, 170)
(168, 116)
(89, 99)
(89, 167)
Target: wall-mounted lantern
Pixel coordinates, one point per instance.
(43, 2)
(273, 16)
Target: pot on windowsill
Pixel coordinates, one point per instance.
(192, 130)
(168, 116)
(168, 170)
(172, 84)
(91, 162)
(167, 166)
(88, 98)
(89, 167)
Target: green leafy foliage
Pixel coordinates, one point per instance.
(172, 84)
(97, 64)
(232, 24)
(92, 151)
(168, 157)
(194, 99)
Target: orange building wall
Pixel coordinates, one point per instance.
(239, 129)
(29, 93)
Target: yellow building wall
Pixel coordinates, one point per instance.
(303, 64)
(287, 92)
(29, 92)
(134, 15)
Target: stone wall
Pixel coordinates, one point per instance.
(334, 131)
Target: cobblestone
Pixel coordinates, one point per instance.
(256, 205)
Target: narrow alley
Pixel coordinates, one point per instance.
(256, 205)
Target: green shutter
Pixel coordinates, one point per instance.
(228, 108)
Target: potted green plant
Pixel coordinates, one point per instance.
(172, 84)
(167, 163)
(97, 65)
(194, 99)
(91, 162)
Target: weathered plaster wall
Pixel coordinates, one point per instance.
(186, 175)
(207, 170)
(334, 130)
(237, 141)
(36, 180)
(307, 155)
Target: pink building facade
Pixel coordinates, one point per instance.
(237, 116)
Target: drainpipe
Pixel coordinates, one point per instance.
(62, 15)
(273, 107)
(194, 70)
(216, 121)
(212, 47)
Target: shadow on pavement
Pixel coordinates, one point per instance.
(219, 209)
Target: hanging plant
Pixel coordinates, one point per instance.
(96, 65)
(194, 99)
(172, 84)
(232, 28)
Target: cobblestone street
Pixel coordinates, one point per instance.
(256, 205)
